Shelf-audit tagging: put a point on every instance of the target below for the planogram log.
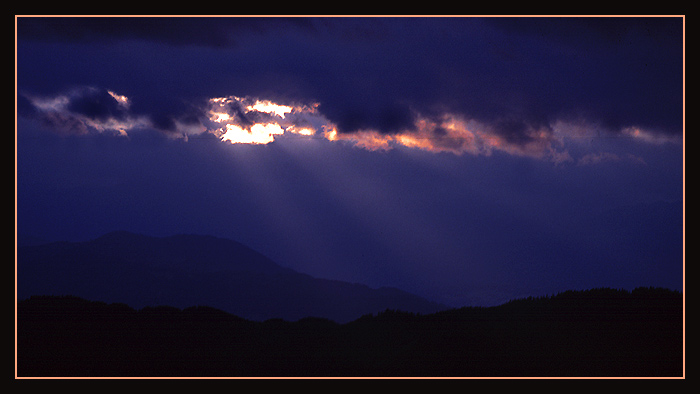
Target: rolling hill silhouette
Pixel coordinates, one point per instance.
(594, 333)
(129, 305)
(187, 270)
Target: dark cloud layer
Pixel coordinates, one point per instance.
(614, 72)
(212, 31)
(97, 104)
(518, 85)
(380, 73)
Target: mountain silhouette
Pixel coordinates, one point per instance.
(188, 270)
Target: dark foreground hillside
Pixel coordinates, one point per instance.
(601, 332)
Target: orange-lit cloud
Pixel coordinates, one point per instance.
(248, 120)
(270, 107)
(647, 136)
(244, 120)
(457, 135)
(122, 100)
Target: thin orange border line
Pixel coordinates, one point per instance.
(388, 16)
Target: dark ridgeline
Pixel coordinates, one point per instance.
(186, 270)
(594, 333)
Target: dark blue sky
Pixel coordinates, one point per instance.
(468, 160)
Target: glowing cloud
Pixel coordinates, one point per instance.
(258, 134)
(301, 130)
(270, 107)
(252, 121)
(122, 100)
(246, 120)
(648, 136)
(454, 134)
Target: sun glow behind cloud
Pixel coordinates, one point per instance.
(250, 120)
(270, 107)
(258, 133)
(448, 133)
(242, 120)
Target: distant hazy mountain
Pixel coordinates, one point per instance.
(190, 270)
(28, 240)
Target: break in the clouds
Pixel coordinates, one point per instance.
(524, 86)
(248, 120)
(253, 121)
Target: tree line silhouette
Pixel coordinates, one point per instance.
(598, 332)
